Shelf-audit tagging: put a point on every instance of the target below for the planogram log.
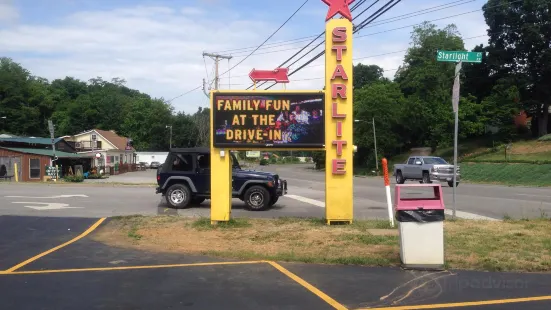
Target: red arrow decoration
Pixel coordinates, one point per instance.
(278, 75)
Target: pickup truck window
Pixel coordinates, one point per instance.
(434, 160)
(411, 161)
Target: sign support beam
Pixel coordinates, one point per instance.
(339, 119)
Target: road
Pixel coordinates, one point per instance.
(305, 199)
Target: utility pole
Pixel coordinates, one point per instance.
(216, 58)
(375, 141)
(170, 139)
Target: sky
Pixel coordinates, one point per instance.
(157, 45)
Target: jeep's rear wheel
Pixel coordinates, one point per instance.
(257, 198)
(178, 196)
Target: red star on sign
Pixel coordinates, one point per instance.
(338, 6)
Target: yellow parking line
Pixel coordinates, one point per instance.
(309, 286)
(465, 304)
(32, 259)
(129, 267)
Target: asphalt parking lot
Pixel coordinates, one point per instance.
(52, 263)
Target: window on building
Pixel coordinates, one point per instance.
(182, 163)
(34, 168)
(116, 159)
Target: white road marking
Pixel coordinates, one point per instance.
(531, 195)
(48, 205)
(49, 197)
(460, 214)
(314, 202)
(470, 216)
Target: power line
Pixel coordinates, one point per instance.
(377, 55)
(321, 34)
(388, 31)
(288, 19)
(189, 91)
(373, 16)
(380, 22)
(384, 31)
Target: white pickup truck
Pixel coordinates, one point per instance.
(426, 169)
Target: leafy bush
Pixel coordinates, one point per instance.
(264, 162)
(273, 160)
(319, 159)
(74, 178)
(95, 176)
(290, 160)
(545, 138)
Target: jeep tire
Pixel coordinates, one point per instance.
(178, 196)
(257, 198)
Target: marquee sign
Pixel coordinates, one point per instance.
(269, 120)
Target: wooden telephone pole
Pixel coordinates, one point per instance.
(216, 58)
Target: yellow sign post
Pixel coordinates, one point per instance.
(338, 134)
(256, 120)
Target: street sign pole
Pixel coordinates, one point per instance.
(458, 57)
(455, 105)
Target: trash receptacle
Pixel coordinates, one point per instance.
(420, 217)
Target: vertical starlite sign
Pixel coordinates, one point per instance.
(339, 119)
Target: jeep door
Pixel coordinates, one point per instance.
(202, 177)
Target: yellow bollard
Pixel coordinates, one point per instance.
(16, 174)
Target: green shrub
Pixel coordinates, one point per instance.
(319, 159)
(264, 162)
(74, 178)
(95, 176)
(273, 160)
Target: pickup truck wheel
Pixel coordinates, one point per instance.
(450, 184)
(257, 198)
(400, 178)
(178, 196)
(426, 178)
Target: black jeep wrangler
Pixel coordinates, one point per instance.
(184, 179)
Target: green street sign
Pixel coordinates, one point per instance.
(456, 56)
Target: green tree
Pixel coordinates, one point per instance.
(520, 48)
(366, 74)
(382, 102)
(427, 85)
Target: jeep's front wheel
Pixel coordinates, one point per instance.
(178, 196)
(257, 198)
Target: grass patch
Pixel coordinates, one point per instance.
(205, 224)
(483, 245)
(509, 174)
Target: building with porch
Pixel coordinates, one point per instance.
(112, 149)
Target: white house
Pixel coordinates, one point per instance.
(112, 147)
